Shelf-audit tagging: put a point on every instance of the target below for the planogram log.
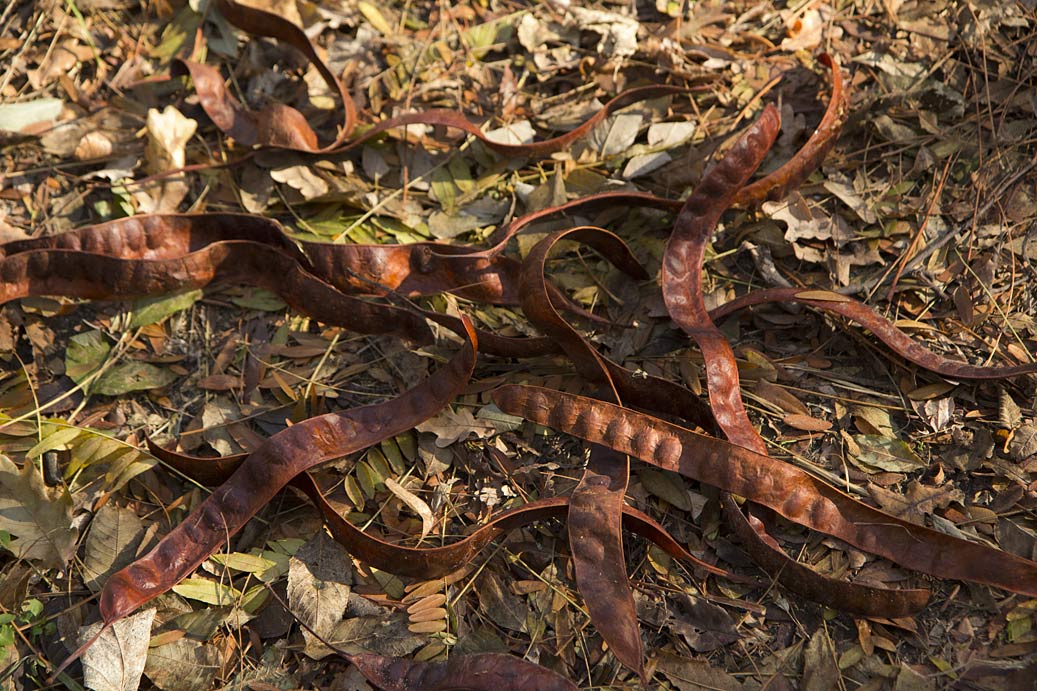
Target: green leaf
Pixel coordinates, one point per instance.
(153, 310)
(60, 437)
(32, 607)
(249, 563)
(259, 299)
(449, 180)
(84, 354)
(667, 486)
(881, 453)
(368, 478)
(209, 592)
(132, 376)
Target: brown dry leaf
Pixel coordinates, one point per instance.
(94, 144)
(115, 534)
(820, 671)
(183, 665)
(36, 518)
(703, 625)
(695, 675)
(882, 454)
(115, 662)
(415, 503)
(497, 603)
(781, 397)
(917, 501)
(303, 179)
(807, 222)
(168, 132)
(453, 424)
(806, 423)
(319, 578)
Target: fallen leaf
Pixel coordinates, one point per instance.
(820, 671)
(615, 135)
(879, 453)
(703, 625)
(37, 518)
(667, 486)
(85, 353)
(804, 30)
(695, 675)
(917, 501)
(807, 423)
(153, 310)
(167, 135)
(208, 591)
(319, 578)
(183, 665)
(115, 662)
(428, 522)
(618, 32)
(302, 179)
(451, 425)
(115, 534)
(18, 117)
(520, 132)
(132, 376)
(667, 135)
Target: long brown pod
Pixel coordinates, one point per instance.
(277, 125)
(432, 562)
(681, 280)
(681, 275)
(254, 255)
(269, 468)
(98, 277)
(793, 172)
(646, 392)
(161, 236)
(596, 505)
(852, 598)
(410, 270)
(789, 491)
(856, 311)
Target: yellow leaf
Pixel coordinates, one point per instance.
(823, 295)
(375, 18)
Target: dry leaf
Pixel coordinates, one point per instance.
(917, 501)
(303, 179)
(804, 31)
(167, 135)
(428, 522)
(37, 518)
(452, 425)
(319, 578)
(116, 660)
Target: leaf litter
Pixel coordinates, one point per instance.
(934, 458)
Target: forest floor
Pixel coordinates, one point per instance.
(925, 210)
